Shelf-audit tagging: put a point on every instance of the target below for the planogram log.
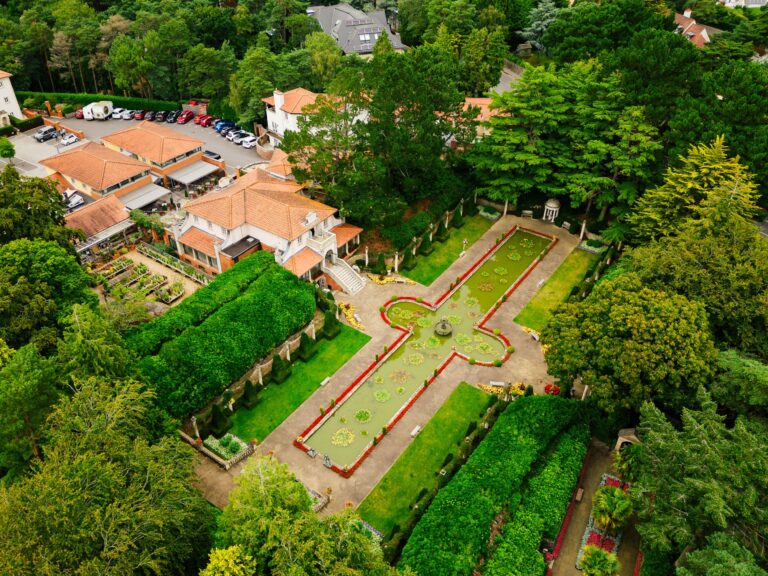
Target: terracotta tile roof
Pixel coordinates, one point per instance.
(95, 165)
(303, 261)
(153, 141)
(484, 104)
(4, 74)
(294, 100)
(61, 184)
(199, 240)
(345, 233)
(279, 165)
(698, 34)
(262, 201)
(98, 216)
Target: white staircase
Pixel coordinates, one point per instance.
(343, 274)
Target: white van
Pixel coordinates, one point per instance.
(102, 110)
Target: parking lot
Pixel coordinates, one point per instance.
(29, 152)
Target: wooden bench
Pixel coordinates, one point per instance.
(579, 494)
(527, 213)
(415, 431)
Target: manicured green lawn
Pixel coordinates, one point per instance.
(388, 504)
(428, 268)
(538, 311)
(278, 401)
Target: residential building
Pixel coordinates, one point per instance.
(744, 3)
(284, 110)
(175, 157)
(262, 212)
(100, 221)
(355, 31)
(98, 172)
(698, 34)
(9, 105)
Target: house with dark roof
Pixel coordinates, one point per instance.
(264, 210)
(354, 31)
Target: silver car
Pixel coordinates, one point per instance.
(69, 139)
(249, 142)
(127, 114)
(239, 138)
(117, 113)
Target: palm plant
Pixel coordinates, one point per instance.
(598, 562)
(611, 508)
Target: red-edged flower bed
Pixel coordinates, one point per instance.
(326, 413)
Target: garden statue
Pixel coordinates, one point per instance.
(194, 426)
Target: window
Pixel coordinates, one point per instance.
(6, 98)
(1, 83)
(365, 37)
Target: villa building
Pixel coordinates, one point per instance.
(173, 156)
(698, 34)
(355, 31)
(264, 211)
(9, 105)
(284, 110)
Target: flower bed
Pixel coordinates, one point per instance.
(592, 534)
(183, 268)
(226, 447)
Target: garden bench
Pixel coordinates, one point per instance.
(324, 382)
(415, 431)
(579, 494)
(566, 225)
(527, 213)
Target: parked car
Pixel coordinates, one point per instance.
(68, 139)
(185, 117)
(223, 124)
(150, 115)
(45, 133)
(117, 113)
(249, 142)
(172, 116)
(226, 130)
(233, 133)
(160, 116)
(127, 114)
(212, 154)
(240, 137)
(206, 120)
(198, 117)
(79, 113)
(139, 114)
(73, 200)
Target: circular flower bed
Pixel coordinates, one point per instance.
(382, 395)
(400, 376)
(424, 322)
(394, 312)
(485, 274)
(472, 302)
(485, 286)
(433, 342)
(484, 348)
(343, 437)
(526, 243)
(417, 345)
(415, 359)
(478, 338)
(514, 256)
(400, 390)
(468, 349)
(453, 318)
(529, 252)
(363, 416)
(463, 338)
(406, 314)
(500, 270)
(378, 379)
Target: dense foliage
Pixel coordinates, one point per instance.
(227, 286)
(453, 533)
(203, 360)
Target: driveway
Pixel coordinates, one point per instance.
(29, 152)
(234, 155)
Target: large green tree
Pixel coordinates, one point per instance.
(39, 283)
(741, 384)
(31, 208)
(105, 500)
(701, 478)
(722, 556)
(630, 343)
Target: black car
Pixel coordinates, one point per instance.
(160, 116)
(150, 115)
(226, 131)
(172, 116)
(211, 154)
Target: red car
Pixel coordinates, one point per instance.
(79, 113)
(198, 118)
(206, 120)
(185, 117)
(139, 114)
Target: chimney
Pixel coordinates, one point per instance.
(688, 12)
(278, 100)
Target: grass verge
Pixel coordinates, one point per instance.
(278, 401)
(538, 311)
(389, 502)
(428, 268)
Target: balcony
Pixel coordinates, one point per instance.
(322, 242)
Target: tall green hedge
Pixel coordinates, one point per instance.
(453, 533)
(227, 286)
(200, 363)
(542, 510)
(83, 99)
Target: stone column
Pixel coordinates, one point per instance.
(396, 261)
(366, 256)
(287, 352)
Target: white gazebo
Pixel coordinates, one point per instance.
(551, 209)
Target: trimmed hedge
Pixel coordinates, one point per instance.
(27, 123)
(453, 534)
(7, 131)
(543, 508)
(204, 360)
(117, 101)
(227, 286)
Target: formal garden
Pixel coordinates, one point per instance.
(431, 335)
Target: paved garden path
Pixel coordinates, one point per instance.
(526, 365)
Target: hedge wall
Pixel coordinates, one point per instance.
(543, 508)
(6, 131)
(227, 286)
(24, 124)
(453, 533)
(83, 99)
(204, 360)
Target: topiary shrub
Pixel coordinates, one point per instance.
(250, 396)
(380, 267)
(528, 390)
(442, 231)
(280, 369)
(307, 347)
(426, 247)
(409, 262)
(470, 208)
(458, 220)
(331, 327)
(220, 421)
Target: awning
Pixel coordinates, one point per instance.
(103, 235)
(144, 196)
(303, 261)
(345, 232)
(193, 172)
